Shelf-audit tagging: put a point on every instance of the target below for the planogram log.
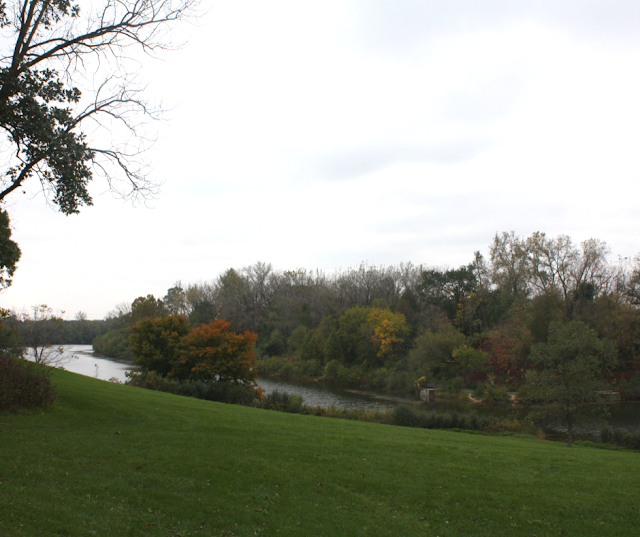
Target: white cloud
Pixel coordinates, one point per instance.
(325, 134)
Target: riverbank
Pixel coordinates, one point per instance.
(382, 383)
(83, 360)
(109, 459)
(622, 415)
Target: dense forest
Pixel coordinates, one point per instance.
(398, 327)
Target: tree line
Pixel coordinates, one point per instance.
(39, 329)
(558, 322)
(392, 326)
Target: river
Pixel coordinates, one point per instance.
(81, 359)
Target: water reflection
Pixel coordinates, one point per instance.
(80, 359)
(322, 395)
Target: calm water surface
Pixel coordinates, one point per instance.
(80, 359)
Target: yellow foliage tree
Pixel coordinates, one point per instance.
(389, 329)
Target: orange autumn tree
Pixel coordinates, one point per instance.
(212, 351)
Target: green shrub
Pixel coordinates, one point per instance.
(464, 422)
(23, 385)
(282, 402)
(405, 416)
(347, 375)
(311, 368)
(378, 377)
(482, 422)
(630, 389)
(588, 443)
(11, 341)
(297, 337)
(525, 394)
(276, 345)
(398, 381)
(454, 386)
(444, 420)
(480, 391)
(633, 441)
(331, 370)
(151, 381)
(496, 393)
(114, 344)
(409, 416)
(222, 392)
(606, 435)
(286, 370)
(619, 436)
(271, 366)
(509, 426)
(313, 346)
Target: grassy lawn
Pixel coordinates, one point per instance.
(107, 459)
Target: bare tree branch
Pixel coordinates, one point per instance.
(43, 114)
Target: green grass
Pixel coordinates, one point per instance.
(108, 459)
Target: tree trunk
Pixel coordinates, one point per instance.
(569, 435)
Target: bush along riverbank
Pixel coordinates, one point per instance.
(378, 379)
(24, 384)
(333, 372)
(222, 392)
(381, 380)
(404, 415)
(620, 437)
(416, 415)
(564, 386)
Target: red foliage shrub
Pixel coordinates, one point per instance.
(212, 351)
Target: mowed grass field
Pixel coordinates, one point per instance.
(108, 459)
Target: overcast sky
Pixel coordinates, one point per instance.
(323, 134)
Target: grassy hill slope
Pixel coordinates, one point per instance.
(109, 459)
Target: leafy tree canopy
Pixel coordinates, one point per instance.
(213, 351)
(47, 47)
(157, 343)
(147, 307)
(170, 347)
(568, 378)
(9, 251)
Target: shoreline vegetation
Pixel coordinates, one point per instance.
(406, 414)
(390, 327)
(549, 323)
(497, 326)
(118, 460)
(25, 384)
